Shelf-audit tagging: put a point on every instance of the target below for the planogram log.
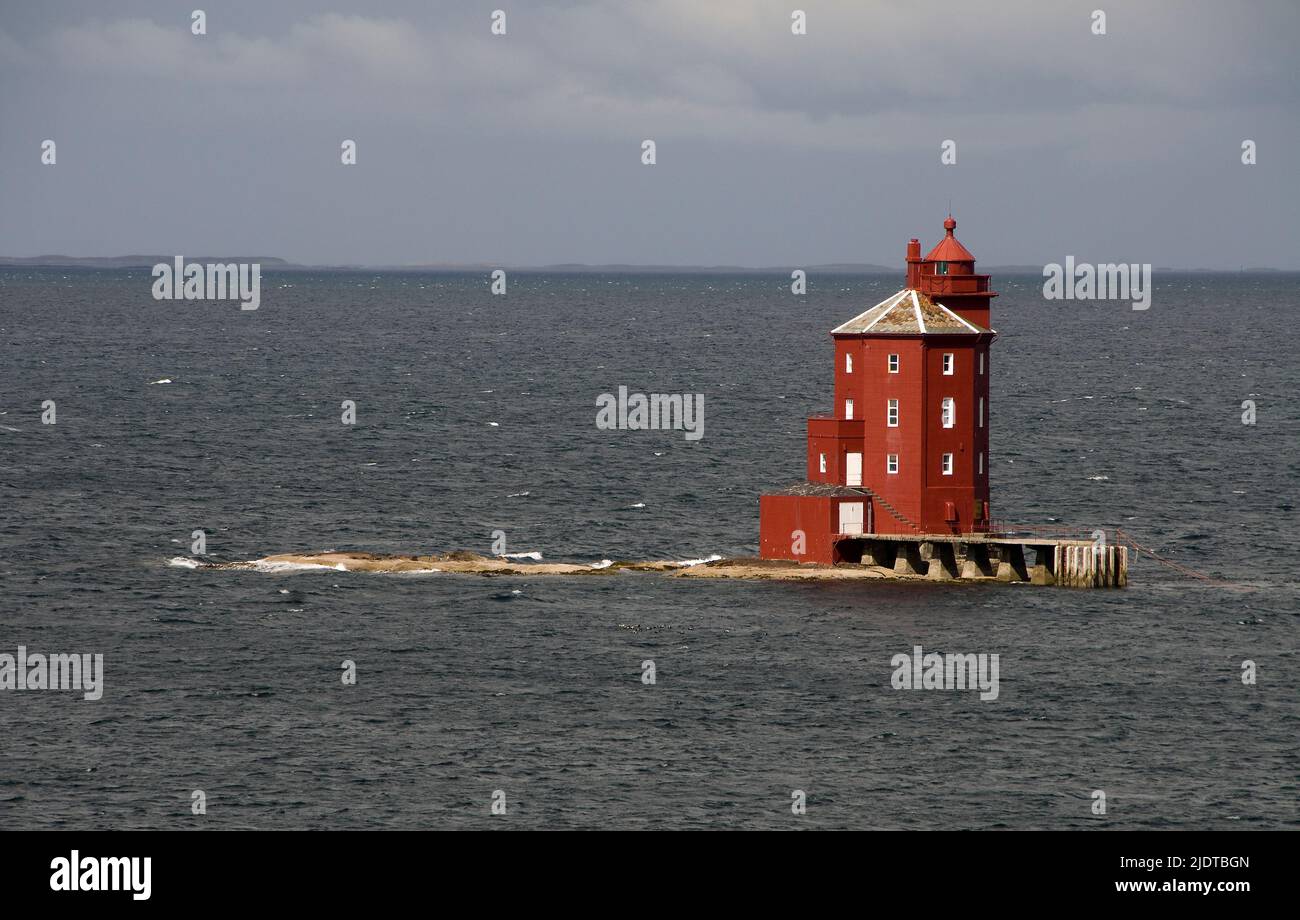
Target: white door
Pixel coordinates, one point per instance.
(853, 475)
(850, 517)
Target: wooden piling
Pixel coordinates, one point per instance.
(1083, 565)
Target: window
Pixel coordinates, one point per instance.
(891, 463)
(848, 363)
(949, 412)
(822, 462)
(981, 464)
(893, 413)
(981, 364)
(947, 363)
(947, 464)
(981, 411)
(941, 268)
(848, 408)
(893, 364)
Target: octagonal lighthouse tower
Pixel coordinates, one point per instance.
(906, 450)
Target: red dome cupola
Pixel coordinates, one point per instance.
(948, 276)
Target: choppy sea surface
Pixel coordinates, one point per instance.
(476, 413)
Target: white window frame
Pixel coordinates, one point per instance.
(893, 364)
(981, 364)
(948, 412)
(891, 464)
(822, 462)
(848, 410)
(981, 463)
(891, 413)
(947, 464)
(981, 411)
(848, 363)
(949, 363)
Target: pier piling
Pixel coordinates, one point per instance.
(1064, 563)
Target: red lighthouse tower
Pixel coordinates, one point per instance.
(906, 448)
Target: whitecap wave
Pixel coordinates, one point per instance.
(602, 564)
(261, 565)
(184, 562)
(534, 555)
(686, 563)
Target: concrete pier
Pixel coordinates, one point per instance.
(907, 558)
(988, 557)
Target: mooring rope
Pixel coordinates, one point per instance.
(1126, 539)
(1177, 567)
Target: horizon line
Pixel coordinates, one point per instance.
(278, 263)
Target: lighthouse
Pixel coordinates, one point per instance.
(905, 450)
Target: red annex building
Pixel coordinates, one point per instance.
(907, 448)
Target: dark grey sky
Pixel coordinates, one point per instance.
(773, 149)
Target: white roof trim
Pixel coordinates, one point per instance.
(956, 317)
(891, 300)
(920, 320)
(887, 306)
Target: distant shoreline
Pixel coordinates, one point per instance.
(272, 263)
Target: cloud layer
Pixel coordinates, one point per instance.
(1032, 97)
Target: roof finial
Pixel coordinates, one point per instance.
(950, 225)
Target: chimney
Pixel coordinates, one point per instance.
(914, 263)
